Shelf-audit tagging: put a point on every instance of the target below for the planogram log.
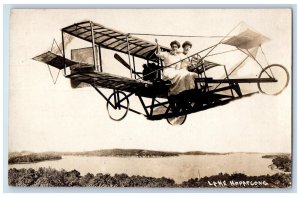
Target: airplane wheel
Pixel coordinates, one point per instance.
(117, 105)
(178, 120)
(277, 72)
(178, 107)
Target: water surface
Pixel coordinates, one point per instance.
(179, 168)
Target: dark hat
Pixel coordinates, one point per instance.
(187, 43)
(175, 42)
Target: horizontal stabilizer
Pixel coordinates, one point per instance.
(58, 61)
(54, 60)
(247, 39)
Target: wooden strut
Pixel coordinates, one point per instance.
(64, 56)
(129, 55)
(93, 45)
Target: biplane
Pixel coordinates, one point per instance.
(147, 84)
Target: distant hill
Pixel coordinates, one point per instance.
(114, 153)
(123, 153)
(273, 156)
(31, 157)
(15, 154)
(136, 153)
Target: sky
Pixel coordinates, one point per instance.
(48, 117)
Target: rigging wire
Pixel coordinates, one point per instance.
(264, 55)
(222, 52)
(169, 35)
(266, 60)
(54, 80)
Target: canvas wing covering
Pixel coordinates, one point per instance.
(114, 40)
(247, 39)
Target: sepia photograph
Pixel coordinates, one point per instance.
(150, 98)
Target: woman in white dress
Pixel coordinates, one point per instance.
(181, 79)
(185, 64)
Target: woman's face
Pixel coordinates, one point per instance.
(186, 49)
(174, 48)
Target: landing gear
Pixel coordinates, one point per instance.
(117, 105)
(177, 120)
(176, 109)
(281, 79)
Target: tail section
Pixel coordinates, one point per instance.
(60, 63)
(54, 60)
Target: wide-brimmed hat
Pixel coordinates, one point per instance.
(187, 43)
(175, 42)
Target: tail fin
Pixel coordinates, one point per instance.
(59, 62)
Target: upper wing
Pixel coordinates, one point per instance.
(114, 40)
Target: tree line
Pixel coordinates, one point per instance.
(48, 177)
(31, 158)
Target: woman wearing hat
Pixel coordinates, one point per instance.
(187, 45)
(171, 57)
(181, 79)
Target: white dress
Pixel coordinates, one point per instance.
(181, 79)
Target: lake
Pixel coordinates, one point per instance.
(179, 168)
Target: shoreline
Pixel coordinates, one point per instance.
(29, 157)
(40, 177)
